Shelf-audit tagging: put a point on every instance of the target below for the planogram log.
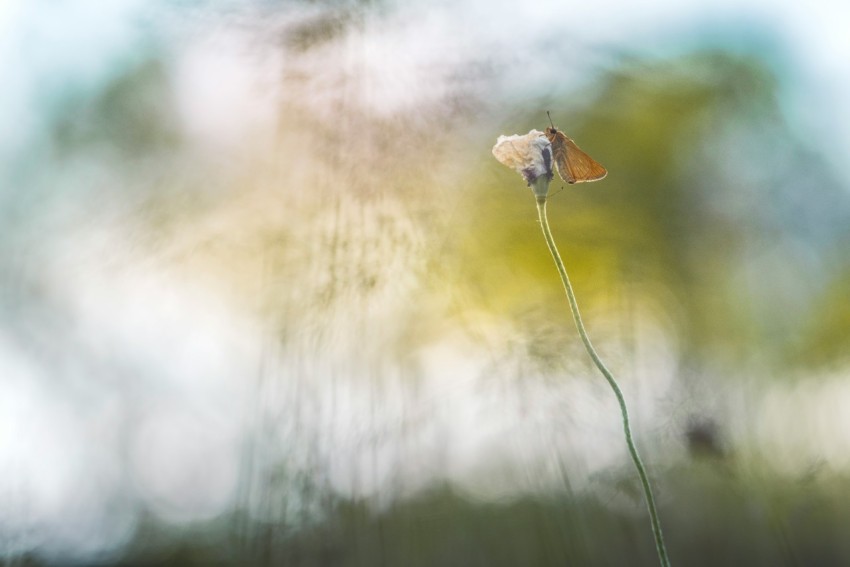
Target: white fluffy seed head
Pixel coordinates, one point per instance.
(530, 155)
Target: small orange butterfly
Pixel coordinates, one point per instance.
(574, 166)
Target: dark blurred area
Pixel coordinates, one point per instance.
(267, 299)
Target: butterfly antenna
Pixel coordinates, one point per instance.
(550, 119)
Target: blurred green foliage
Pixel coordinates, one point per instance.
(135, 115)
(717, 517)
(694, 185)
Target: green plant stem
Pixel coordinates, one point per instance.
(644, 479)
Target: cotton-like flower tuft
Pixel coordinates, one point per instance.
(529, 155)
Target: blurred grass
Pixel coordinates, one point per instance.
(719, 517)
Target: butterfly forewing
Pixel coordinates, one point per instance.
(582, 166)
(574, 166)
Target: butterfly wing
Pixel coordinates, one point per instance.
(582, 166)
(559, 154)
(574, 166)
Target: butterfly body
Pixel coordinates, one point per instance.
(574, 166)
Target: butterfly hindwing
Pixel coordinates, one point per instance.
(559, 154)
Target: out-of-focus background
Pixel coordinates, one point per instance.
(266, 298)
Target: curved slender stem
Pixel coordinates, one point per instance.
(644, 479)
